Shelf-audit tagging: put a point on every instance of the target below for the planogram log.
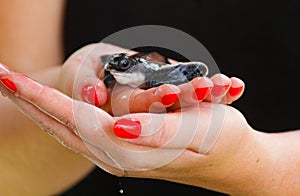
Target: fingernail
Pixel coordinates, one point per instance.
(219, 90)
(234, 91)
(3, 69)
(169, 99)
(89, 94)
(201, 93)
(9, 84)
(127, 128)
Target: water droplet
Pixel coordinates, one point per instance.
(120, 187)
(124, 97)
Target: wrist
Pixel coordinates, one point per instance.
(233, 158)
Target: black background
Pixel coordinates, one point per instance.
(257, 41)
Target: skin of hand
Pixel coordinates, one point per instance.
(216, 148)
(80, 79)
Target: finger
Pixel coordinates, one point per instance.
(54, 103)
(47, 99)
(235, 91)
(58, 121)
(197, 128)
(125, 99)
(80, 73)
(66, 137)
(193, 92)
(154, 99)
(221, 85)
(79, 77)
(80, 117)
(75, 115)
(53, 127)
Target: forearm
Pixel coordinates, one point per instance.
(266, 164)
(31, 34)
(262, 164)
(277, 163)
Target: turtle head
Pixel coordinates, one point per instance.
(124, 69)
(120, 62)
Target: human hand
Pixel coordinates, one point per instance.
(79, 79)
(196, 146)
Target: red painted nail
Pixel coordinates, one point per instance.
(9, 84)
(89, 94)
(234, 91)
(127, 128)
(169, 99)
(201, 93)
(219, 90)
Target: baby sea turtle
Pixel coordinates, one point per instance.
(148, 70)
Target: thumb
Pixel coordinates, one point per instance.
(196, 129)
(79, 77)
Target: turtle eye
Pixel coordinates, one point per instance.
(125, 64)
(114, 61)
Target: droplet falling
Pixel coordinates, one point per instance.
(121, 189)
